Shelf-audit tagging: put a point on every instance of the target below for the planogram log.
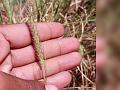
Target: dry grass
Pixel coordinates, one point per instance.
(79, 18)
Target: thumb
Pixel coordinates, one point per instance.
(4, 47)
(20, 84)
(51, 87)
(9, 82)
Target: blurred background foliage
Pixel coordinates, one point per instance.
(109, 27)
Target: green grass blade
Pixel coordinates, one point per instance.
(1, 20)
(8, 5)
(40, 9)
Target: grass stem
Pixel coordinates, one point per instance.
(36, 43)
(8, 5)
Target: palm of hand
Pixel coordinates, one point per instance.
(17, 54)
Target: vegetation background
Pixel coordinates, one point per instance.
(78, 17)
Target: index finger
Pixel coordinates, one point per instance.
(18, 35)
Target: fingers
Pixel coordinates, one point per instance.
(18, 35)
(4, 48)
(62, 63)
(6, 65)
(100, 59)
(99, 44)
(51, 48)
(53, 66)
(19, 84)
(51, 87)
(60, 80)
(55, 82)
(101, 56)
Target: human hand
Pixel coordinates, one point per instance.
(100, 52)
(102, 58)
(17, 56)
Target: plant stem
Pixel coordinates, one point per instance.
(1, 20)
(38, 51)
(40, 9)
(9, 9)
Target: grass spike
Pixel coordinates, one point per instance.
(36, 43)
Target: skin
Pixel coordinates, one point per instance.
(17, 58)
(101, 57)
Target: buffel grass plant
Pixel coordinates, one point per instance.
(79, 18)
(36, 43)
